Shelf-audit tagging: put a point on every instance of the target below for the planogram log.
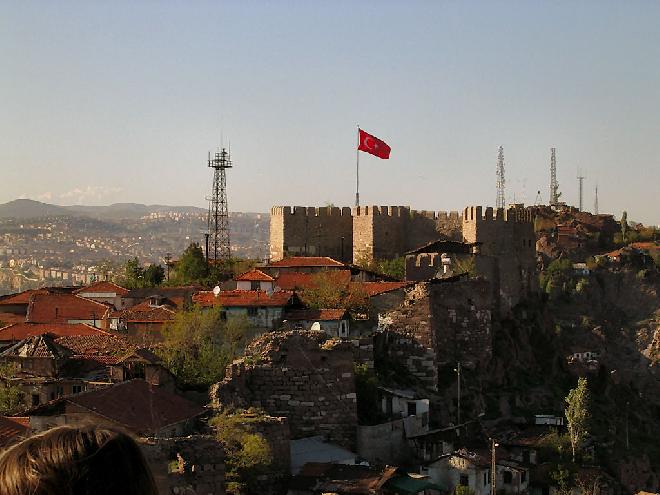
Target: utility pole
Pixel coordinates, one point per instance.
(493, 467)
(580, 180)
(458, 411)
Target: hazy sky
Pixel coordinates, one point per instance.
(105, 102)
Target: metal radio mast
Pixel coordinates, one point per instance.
(218, 219)
(580, 179)
(500, 202)
(554, 185)
(596, 201)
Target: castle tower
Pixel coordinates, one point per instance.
(218, 217)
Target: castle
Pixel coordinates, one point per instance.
(500, 242)
(355, 235)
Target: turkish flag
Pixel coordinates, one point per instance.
(373, 145)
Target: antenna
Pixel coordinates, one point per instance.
(218, 218)
(554, 185)
(596, 201)
(580, 180)
(500, 202)
(538, 201)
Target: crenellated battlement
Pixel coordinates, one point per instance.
(448, 216)
(390, 211)
(310, 211)
(477, 214)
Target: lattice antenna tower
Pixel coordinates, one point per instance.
(554, 185)
(596, 201)
(500, 202)
(580, 179)
(538, 201)
(218, 218)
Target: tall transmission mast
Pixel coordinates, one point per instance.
(554, 185)
(218, 218)
(580, 179)
(596, 201)
(500, 202)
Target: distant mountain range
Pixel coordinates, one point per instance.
(28, 208)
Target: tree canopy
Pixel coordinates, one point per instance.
(199, 344)
(577, 414)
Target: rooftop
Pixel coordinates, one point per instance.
(254, 276)
(102, 288)
(243, 298)
(61, 308)
(144, 312)
(20, 331)
(316, 315)
(306, 261)
(302, 281)
(136, 405)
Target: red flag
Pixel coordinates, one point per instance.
(373, 145)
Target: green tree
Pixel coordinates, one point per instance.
(248, 453)
(562, 477)
(192, 267)
(577, 414)
(11, 396)
(463, 490)
(331, 291)
(153, 276)
(199, 344)
(132, 274)
(624, 226)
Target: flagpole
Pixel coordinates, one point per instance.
(357, 171)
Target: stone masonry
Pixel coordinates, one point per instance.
(304, 376)
(360, 234)
(441, 321)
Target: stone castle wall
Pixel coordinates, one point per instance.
(303, 376)
(311, 231)
(360, 234)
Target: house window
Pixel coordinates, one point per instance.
(464, 480)
(35, 400)
(523, 476)
(252, 311)
(412, 408)
(76, 389)
(255, 285)
(507, 477)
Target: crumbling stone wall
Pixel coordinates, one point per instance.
(305, 376)
(440, 322)
(193, 465)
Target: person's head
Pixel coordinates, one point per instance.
(76, 461)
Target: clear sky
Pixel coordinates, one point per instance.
(105, 102)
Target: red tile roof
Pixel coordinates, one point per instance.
(302, 281)
(137, 406)
(13, 428)
(375, 288)
(40, 346)
(20, 331)
(60, 308)
(254, 276)
(102, 288)
(9, 318)
(316, 315)
(243, 298)
(144, 313)
(304, 261)
(109, 348)
(22, 297)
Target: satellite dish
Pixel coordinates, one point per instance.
(216, 291)
(316, 326)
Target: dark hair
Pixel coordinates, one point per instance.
(89, 460)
